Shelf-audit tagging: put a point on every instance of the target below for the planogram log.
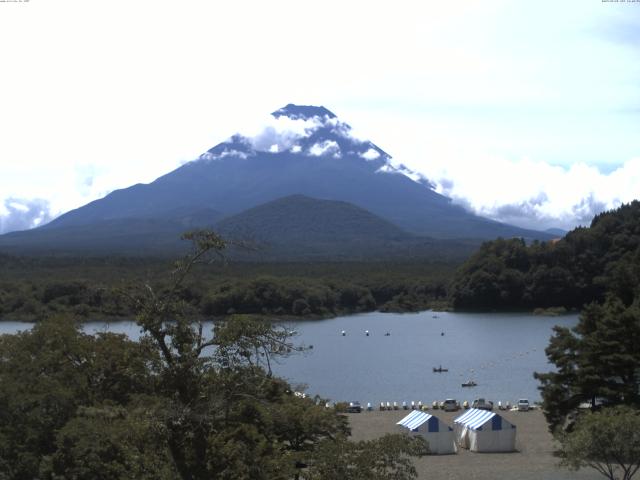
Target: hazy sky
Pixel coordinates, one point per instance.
(525, 111)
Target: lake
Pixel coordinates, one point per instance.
(499, 351)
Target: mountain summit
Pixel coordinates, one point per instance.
(303, 112)
(305, 150)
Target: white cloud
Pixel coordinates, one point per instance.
(328, 147)
(12, 205)
(23, 214)
(227, 152)
(370, 154)
(283, 132)
(536, 194)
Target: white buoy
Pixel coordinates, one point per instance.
(366, 332)
(343, 333)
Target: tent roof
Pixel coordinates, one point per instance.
(475, 418)
(414, 419)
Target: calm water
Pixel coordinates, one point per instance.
(499, 352)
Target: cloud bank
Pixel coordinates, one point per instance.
(535, 194)
(23, 214)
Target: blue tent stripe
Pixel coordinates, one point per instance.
(475, 418)
(414, 420)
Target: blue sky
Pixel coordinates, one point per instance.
(527, 112)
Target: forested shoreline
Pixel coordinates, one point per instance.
(505, 274)
(587, 265)
(33, 288)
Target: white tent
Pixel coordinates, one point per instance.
(437, 433)
(484, 431)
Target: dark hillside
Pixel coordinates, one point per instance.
(303, 228)
(580, 268)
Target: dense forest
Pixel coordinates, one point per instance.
(583, 267)
(591, 399)
(33, 288)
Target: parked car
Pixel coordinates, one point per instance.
(450, 405)
(523, 405)
(482, 404)
(354, 407)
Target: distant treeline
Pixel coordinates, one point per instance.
(583, 267)
(36, 288)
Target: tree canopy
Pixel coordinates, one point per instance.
(597, 362)
(584, 266)
(179, 403)
(607, 441)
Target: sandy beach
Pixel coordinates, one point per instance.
(533, 459)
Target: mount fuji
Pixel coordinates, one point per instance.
(306, 153)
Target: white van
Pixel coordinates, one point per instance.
(523, 405)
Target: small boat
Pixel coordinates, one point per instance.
(440, 369)
(470, 383)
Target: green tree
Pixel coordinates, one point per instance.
(47, 374)
(607, 441)
(596, 361)
(380, 459)
(110, 442)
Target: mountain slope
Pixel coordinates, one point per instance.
(302, 219)
(325, 161)
(293, 228)
(303, 228)
(124, 236)
(308, 152)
